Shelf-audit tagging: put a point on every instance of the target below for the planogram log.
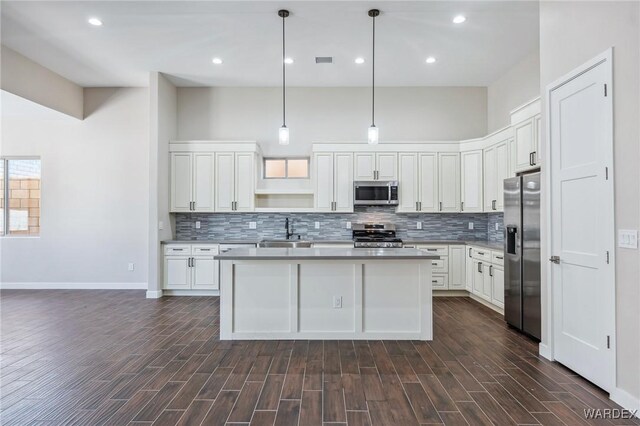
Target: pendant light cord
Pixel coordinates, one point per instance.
(373, 75)
(284, 120)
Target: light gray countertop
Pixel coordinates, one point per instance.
(484, 244)
(323, 254)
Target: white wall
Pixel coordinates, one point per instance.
(95, 181)
(23, 77)
(162, 129)
(571, 33)
(517, 86)
(331, 114)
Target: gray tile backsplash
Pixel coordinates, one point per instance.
(495, 235)
(333, 226)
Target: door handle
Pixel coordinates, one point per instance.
(555, 259)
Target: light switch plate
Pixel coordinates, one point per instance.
(131, 266)
(418, 225)
(470, 225)
(252, 225)
(337, 302)
(197, 224)
(628, 238)
(317, 225)
(161, 225)
(348, 225)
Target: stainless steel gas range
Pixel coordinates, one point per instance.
(375, 235)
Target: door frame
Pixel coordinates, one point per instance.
(547, 348)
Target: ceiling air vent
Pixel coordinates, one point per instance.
(324, 60)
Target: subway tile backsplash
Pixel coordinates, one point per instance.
(333, 226)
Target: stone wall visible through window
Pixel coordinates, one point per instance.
(23, 196)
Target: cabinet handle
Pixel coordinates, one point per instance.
(176, 249)
(499, 257)
(204, 249)
(533, 157)
(461, 206)
(481, 253)
(434, 281)
(493, 204)
(420, 203)
(417, 208)
(440, 205)
(470, 251)
(432, 249)
(490, 270)
(480, 267)
(193, 262)
(188, 262)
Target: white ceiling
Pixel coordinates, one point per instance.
(181, 37)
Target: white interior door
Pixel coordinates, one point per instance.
(224, 192)
(582, 227)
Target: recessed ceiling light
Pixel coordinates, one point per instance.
(216, 61)
(359, 61)
(459, 19)
(288, 61)
(431, 60)
(95, 22)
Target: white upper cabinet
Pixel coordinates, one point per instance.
(181, 181)
(471, 194)
(496, 170)
(192, 182)
(524, 145)
(375, 166)
(235, 182)
(418, 182)
(502, 172)
(448, 182)
(333, 180)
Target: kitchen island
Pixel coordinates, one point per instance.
(325, 293)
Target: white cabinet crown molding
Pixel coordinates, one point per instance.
(396, 147)
(526, 111)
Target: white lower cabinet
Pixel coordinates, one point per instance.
(457, 267)
(191, 267)
(497, 282)
(485, 274)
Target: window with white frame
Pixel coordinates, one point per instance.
(20, 196)
(286, 168)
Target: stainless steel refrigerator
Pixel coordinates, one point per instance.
(522, 253)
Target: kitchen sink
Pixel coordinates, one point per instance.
(284, 244)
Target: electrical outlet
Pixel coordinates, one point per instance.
(348, 225)
(252, 225)
(131, 266)
(317, 225)
(337, 302)
(197, 224)
(161, 225)
(418, 225)
(497, 226)
(470, 225)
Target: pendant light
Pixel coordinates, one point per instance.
(372, 134)
(283, 134)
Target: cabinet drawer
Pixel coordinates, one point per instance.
(205, 249)
(497, 258)
(440, 265)
(440, 282)
(178, 249)
(481, 254)
(431, 249)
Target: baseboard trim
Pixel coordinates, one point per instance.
(191, 293)
(625, 400)
(545, 351)
(450, 293)
(154, 294)
(487, 304)
(71, 286)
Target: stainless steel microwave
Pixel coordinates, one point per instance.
(375, 193)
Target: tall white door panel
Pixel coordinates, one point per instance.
(582, 225)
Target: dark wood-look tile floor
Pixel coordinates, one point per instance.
(115, 358)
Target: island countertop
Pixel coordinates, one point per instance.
(324, 254)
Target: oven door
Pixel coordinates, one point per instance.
(375, 193)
